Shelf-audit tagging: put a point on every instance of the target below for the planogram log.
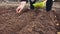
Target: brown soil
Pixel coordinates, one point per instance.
(28, 22)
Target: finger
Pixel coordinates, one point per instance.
(17, 10)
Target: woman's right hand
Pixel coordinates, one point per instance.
(18, 10)
(20, 7)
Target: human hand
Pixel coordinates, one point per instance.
(20, 7)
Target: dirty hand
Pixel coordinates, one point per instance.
(18, 10)
(21, 6)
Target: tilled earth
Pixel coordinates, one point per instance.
(28, 22)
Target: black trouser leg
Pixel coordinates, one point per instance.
(31, 4)
(49, 4)
(26, 1)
